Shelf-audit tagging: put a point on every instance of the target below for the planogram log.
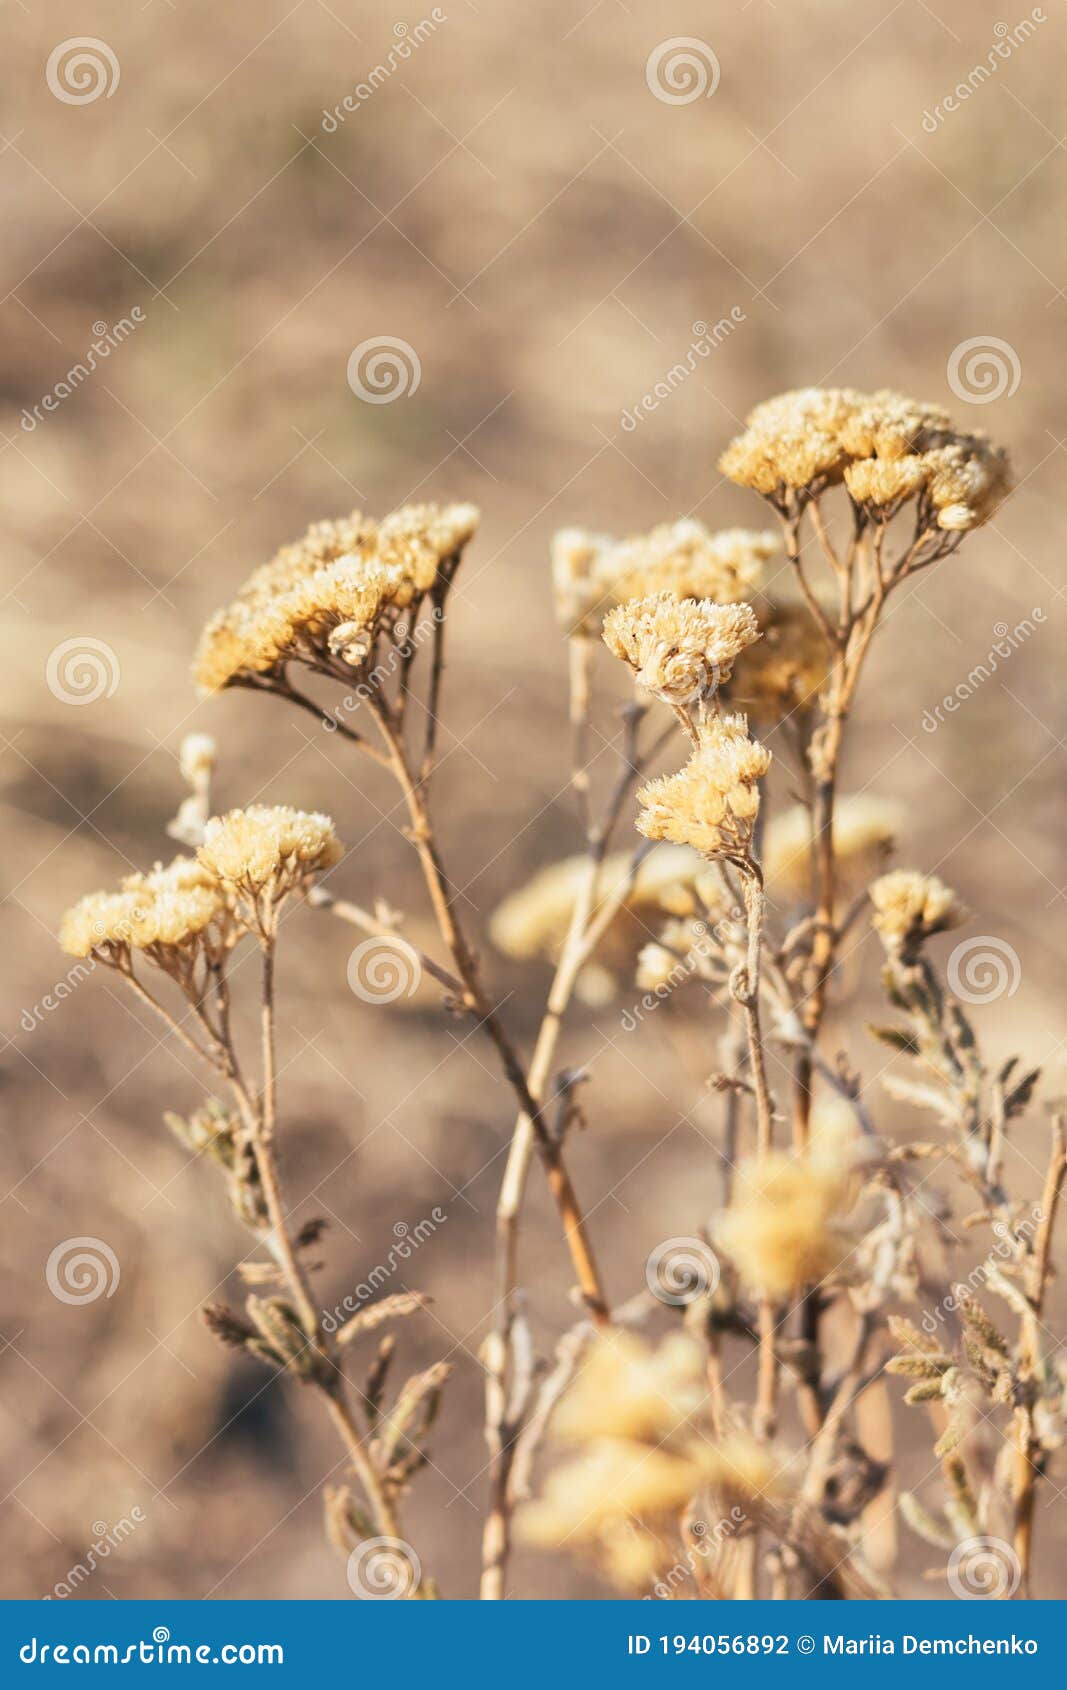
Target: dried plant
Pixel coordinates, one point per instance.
(822, 1236)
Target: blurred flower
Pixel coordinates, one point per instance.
(910, 907)
(865, 829)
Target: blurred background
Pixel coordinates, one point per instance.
(512, 197)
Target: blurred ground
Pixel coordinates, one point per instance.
(514, 203)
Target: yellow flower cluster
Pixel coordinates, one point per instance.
(681, 650)
(534, 920)
(168, 908)
(910, 908)
(713, 802)
(633, 1414)
(782, 1230)
(269, 849)
(330, 594)
(175, 912)
(591, 571)
(885, 448)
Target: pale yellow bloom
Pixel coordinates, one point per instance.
(269, 849)
(533, 921)
(712, 803)
(679, 649)
(884, 446)
(910, 907)
(782, 1230)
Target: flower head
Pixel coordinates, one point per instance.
(330, 595)
(642, 1452)
(685, 559)
(712, 803)
(782, 1229)
(269, 850)
(679, 649)
(534, 920)
(170, 909)
(910, 908)
(885, 447)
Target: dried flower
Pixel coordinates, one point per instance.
(162, 911)
(534, 920)
(712, 803)
(331, 594)
(885, 447)
(269, 851)
(577, 590)
(644, 1452)
(685, 559)
(680, 650)
(910, 907)
(626, 1390)
(781, 1230)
